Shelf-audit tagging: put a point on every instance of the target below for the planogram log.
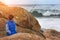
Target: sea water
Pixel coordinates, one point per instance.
(49, 23)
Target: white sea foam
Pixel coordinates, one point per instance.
(49, 23)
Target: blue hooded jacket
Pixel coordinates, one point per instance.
(10, 27)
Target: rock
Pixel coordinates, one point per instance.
(51, 34)
(23, 30)
(22, 36)
(22, 17)
(25, 21)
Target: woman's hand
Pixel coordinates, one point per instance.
(9, 32)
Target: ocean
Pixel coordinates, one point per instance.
(49, 23)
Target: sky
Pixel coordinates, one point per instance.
(31, 1)
(9, 2)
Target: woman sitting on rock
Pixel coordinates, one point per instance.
(10, 26)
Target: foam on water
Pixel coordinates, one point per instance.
(49, 23)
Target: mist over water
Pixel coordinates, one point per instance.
(49, 23)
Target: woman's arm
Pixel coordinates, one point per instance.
(15, 27)
(7, 28)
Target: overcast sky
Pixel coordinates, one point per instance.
(31, 1)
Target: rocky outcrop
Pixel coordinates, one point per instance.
(22, 36)
(26, 23)
(22, 17)
(51, 34)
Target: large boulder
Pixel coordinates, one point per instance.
(51, 34)
(22, 16)
(22, 36)
(24, 20)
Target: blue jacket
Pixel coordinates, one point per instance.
(10, 27)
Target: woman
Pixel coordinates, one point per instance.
(10, 26)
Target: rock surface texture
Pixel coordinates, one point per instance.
(51, 34)
(22, 36)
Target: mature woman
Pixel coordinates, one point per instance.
(10, 26)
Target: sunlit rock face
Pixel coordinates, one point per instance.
(51, 34)
(21, 16)
(24, 19)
